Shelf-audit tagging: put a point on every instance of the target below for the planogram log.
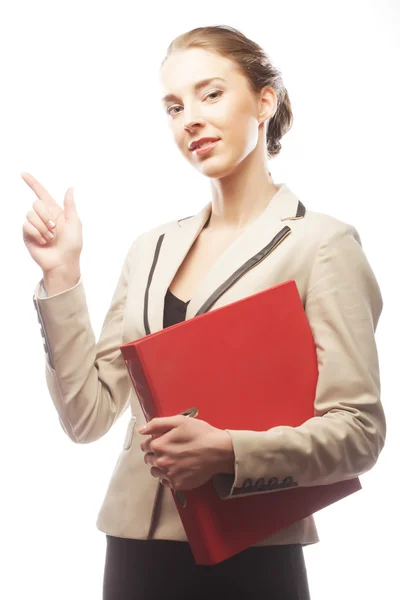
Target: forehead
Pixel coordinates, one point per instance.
(184, 68)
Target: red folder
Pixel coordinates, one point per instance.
(248, 365)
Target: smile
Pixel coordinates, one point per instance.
(205, 149)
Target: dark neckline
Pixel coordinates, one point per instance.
(176, 297)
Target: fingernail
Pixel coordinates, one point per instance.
(142, 429)
(51, 223)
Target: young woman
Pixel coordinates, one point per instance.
(227, 109)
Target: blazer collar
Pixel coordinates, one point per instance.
(254, 244)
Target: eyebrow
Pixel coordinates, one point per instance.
(196, 87)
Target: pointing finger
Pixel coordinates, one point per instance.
(40, 191)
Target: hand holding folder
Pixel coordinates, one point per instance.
(249, 365)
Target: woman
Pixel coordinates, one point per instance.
(227, 109)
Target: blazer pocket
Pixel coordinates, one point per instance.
(129, 433)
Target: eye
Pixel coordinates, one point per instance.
(172, 108)
(218, 92)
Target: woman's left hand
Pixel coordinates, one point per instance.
(186, 452)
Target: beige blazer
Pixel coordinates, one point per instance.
(90, 387)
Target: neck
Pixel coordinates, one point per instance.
(241, 197)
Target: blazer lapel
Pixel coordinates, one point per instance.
(255, 243)
(171, 249)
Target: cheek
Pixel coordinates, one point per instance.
(243, 134)
(237, 123)
(179, 138)
(175, 131)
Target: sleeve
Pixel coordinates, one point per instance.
(88, 381)
(348, 430)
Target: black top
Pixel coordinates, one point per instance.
(174, 309)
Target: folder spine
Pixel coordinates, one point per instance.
(201, 550)
(141, 383)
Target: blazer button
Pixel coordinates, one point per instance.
(288, 480)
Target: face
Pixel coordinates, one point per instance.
(224, 108)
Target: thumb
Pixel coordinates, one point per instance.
(69, 204)
(161, 425)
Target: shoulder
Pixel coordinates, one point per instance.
(339, 260)
(331, 247)
(323, 228)
(327, 225)
(332, 242)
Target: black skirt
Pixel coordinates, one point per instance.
(165, 569)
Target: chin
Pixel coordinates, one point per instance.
(213, 167)
(216, 170)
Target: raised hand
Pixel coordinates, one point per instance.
(63, 250)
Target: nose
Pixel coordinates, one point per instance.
(192, 124)
(191, 120)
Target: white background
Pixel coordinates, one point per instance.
(80, 106)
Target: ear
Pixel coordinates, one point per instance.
(268, 103)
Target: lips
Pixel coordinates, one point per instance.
(203, 141)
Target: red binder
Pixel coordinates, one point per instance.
(248, 365)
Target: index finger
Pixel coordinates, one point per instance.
(39, 190)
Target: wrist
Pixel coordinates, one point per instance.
(61, 279)
(226, 460)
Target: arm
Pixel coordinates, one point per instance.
(347, 433)
(87, 381)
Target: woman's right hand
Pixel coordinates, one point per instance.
(63, 251)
